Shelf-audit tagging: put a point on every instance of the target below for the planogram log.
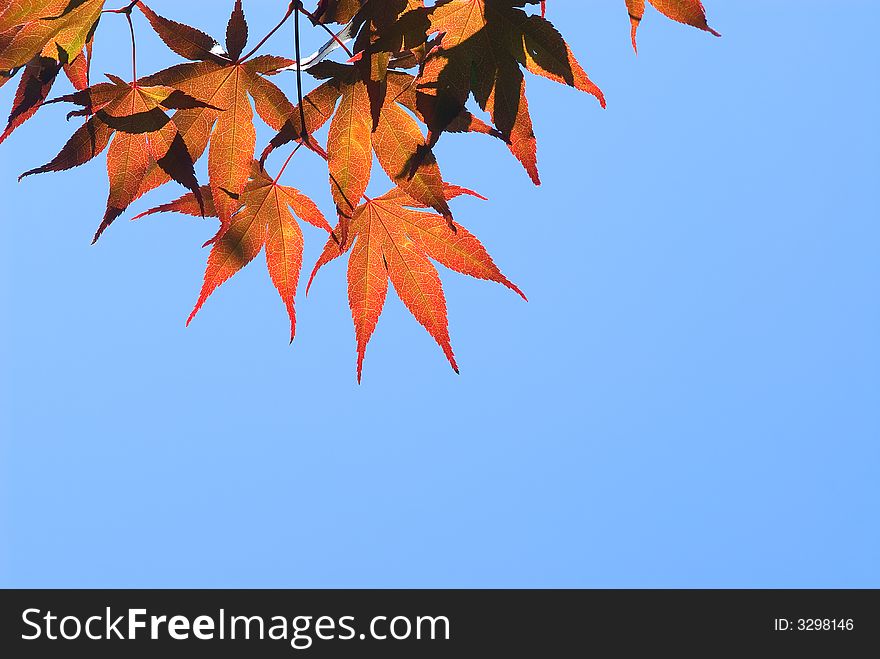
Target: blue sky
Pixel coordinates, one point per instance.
(689, 399)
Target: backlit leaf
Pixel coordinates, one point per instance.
(689, 12)
(265, 217)
(392, 239)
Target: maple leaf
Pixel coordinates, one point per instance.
(262, 220)
(58, 29)
(227, 81)
(33, 89)
(60, 39)
(689, 12)
(484, 44)
(317, 109)
(392, 239)
(399, 145)
(133, 117)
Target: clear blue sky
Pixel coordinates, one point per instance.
(690, 398)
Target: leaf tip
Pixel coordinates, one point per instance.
(447, 348)
(291, 312)
(360, 363)
(196, 309)
(532, 171)
(312, 277)
(516, 289)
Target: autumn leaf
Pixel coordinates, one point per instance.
(351, 161)
(78, 70)
(400, 147)
(318, 107)
(392, 238)
(407, 159)
(227, 81)
(265, 218)
(58, 29)
(37, 80)
(60, 39)
(689, 12)
(142, 134)
(188, 204)
(484, 46)
(33, 89)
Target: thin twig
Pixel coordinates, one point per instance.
(304, 134)
(134, 71)
(123, 10)
(127, 11)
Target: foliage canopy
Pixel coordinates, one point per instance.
(409, 71)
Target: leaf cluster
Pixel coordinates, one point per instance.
(393, 77)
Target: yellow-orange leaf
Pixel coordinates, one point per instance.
(406, 158)
(351, 158)
(53, 28)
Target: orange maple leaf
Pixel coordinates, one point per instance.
(265, 217)
(392, 239)
(142, 134)
(42, 37)
(58, 29)
(225, 80)
(399, 145)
